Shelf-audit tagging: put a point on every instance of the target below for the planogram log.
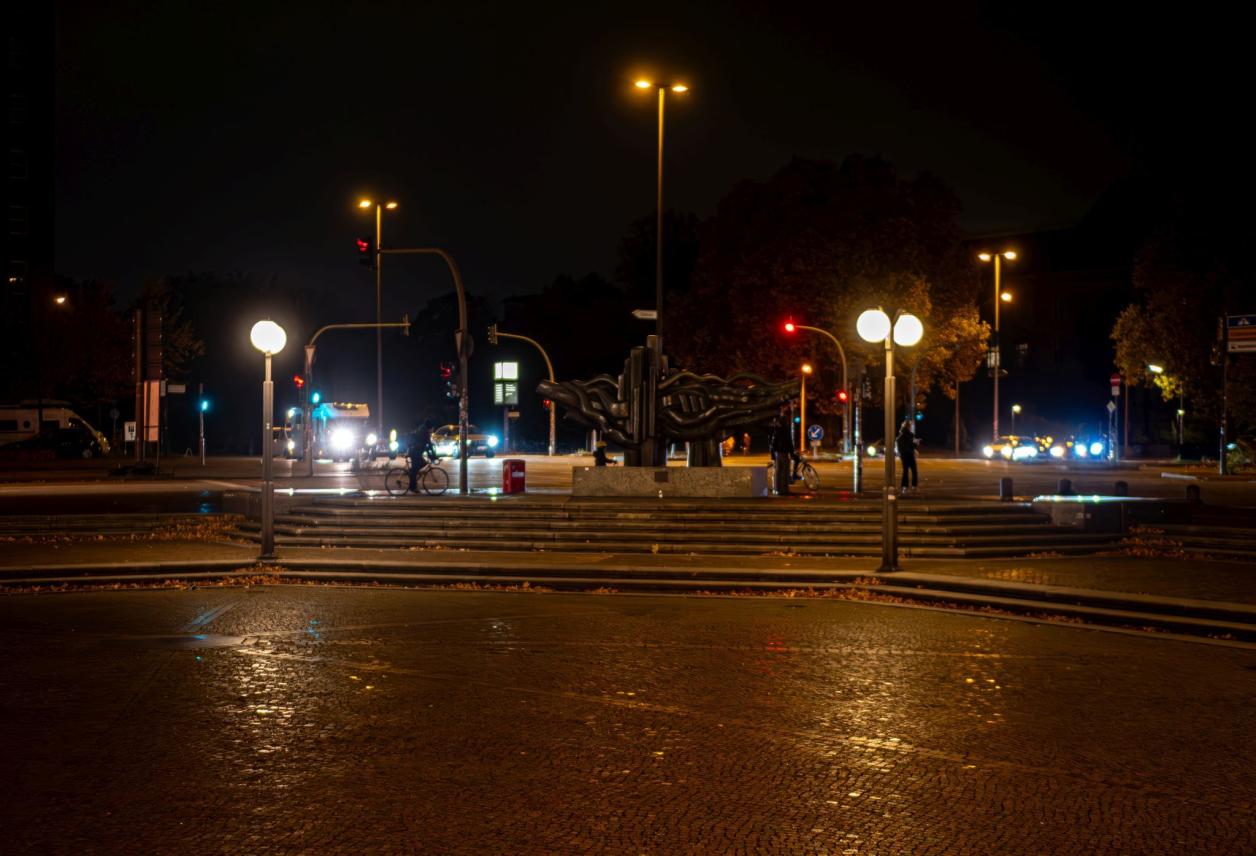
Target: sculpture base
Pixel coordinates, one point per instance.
(669, 481)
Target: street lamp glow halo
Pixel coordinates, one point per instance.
(643, 84)
(391, 206)
(1010, 255)
(908, 330)
(268, 337)
(1016, 408)
(1006, 297)
(806, 368)
(873, 325)
(985, 257)
(680, 87)
(365, 203)
(1155, 369)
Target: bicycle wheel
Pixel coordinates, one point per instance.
(397, 482)
(435, 481)
(810, 477)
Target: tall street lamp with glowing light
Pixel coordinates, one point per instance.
(269, 338)
(367, 204)
(662, 88)
(1016, 409)
(805, 369)
(1000, 296)
(906, 330)
(1157, 369)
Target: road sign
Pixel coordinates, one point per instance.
(1115, 380)
(128, 431)
(1112, 407)
(645, 314)
(815, 433)
(1240, 333)
(176, 388)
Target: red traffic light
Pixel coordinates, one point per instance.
(842, 396)
(299, 381)
(446, 371)
(547, 404)
(789, 326)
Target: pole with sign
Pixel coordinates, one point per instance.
(815, 434)
(1115, 382)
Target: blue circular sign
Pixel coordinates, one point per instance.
(815, 432)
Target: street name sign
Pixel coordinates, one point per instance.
(1240, 333)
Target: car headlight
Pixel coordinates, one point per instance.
(1006, 452)
(988, 451)
(292, 444)
(872, 451)
(1024, 453)
(1096, 448)
(342, 438)
(1057, 451)
(393, 445)
(371, 439)
(492, 441)
(1080, 450)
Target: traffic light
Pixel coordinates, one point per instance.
(204, 405)
(547, 404)
(446, 371)
(298, 381)
(315, 397)
(366, 252)
(843, 396)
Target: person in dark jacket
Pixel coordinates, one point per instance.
(420, 450)
(781, 447)
(906, 443)
(599, 455)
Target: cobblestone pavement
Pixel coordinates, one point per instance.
(305, 719)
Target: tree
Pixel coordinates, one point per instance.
(820, 242)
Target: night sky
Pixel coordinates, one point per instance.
(223, 136)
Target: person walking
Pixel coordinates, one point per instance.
(781, 447)
(599, 455)
(906, 444)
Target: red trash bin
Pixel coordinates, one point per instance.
(513, 476)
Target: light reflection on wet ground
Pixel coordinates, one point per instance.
(337, 720)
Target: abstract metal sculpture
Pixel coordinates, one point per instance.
(645, 409)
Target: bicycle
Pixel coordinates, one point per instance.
(810, 478)
(431, 479)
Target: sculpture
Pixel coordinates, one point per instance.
(647, 407)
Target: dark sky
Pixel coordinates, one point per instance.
(225, 136)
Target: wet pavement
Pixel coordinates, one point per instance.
(307, 719)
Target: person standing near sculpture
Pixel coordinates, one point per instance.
(781, 447)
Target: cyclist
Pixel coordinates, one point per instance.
(421, 450)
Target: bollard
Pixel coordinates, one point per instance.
(1064, 487)
(1121, 488)
(1192, 494)
(1005, 489)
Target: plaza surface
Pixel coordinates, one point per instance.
(297, 718)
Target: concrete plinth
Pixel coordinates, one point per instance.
(1111, 513)
(669, 481)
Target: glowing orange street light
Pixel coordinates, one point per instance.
(658, 243)
(366, 204)
(1000, 296)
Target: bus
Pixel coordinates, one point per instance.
(342, 432)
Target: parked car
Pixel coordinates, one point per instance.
(446, 440)
(57, 443)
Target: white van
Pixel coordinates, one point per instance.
(20, 421)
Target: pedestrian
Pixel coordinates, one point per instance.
(745, 443)
(599, 455)
(420, 450)
(906, 444)
(781, 447)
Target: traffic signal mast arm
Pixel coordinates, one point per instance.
(841, 352)
(494, 334)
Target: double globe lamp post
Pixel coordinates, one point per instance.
(269, 338)
(874, 325)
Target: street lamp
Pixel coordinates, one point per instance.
(906, 330)
(791, 327)
(269, 338)
(1157, 369)
(806, 370)
(1016, 409)
(1000, 296)
(662, 88)
(379, 207)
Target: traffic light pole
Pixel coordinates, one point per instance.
(464, 344)
(307, 426)
(841, 352)
(493, 335)
(379, 333)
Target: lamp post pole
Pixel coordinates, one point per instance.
(802, 409)
(889, 513)
(996, 357)
(269, 338)
(379, 333)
